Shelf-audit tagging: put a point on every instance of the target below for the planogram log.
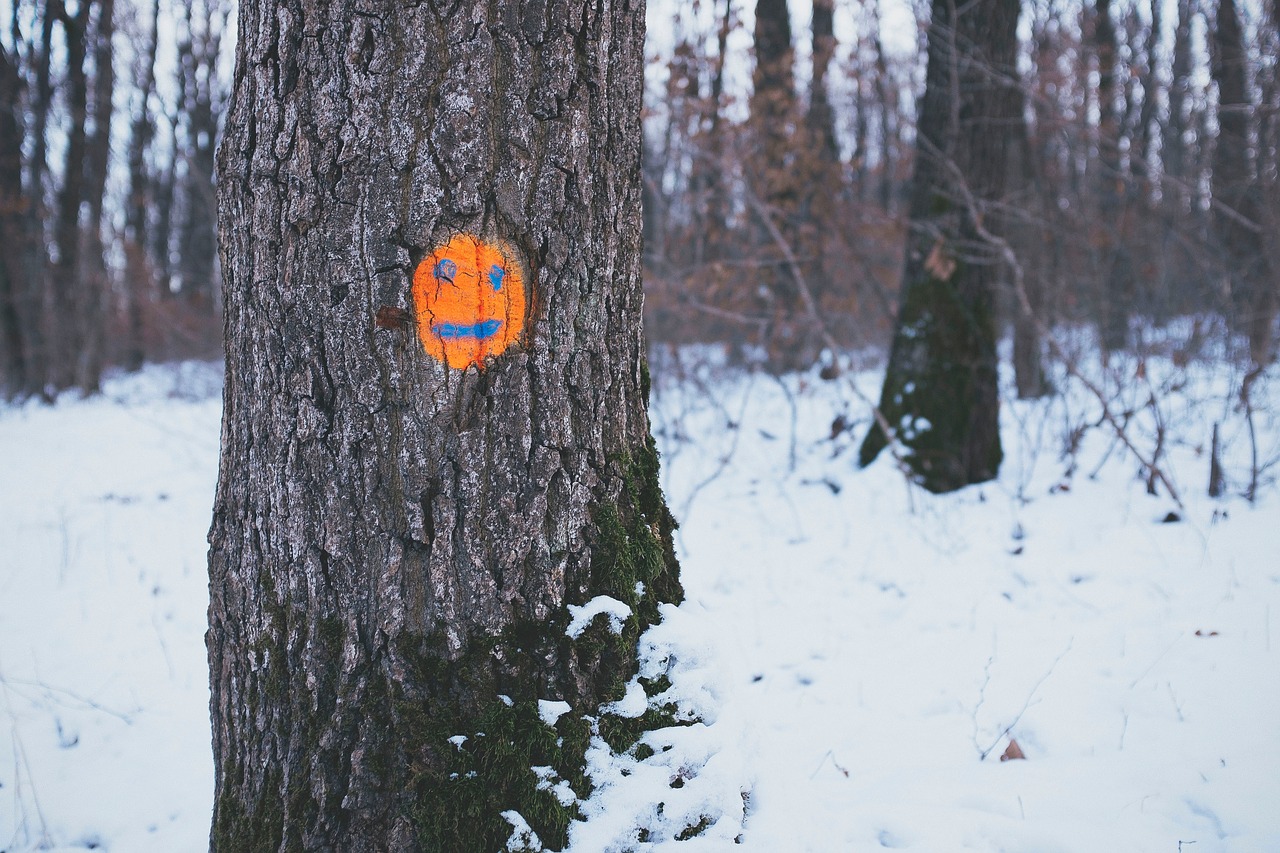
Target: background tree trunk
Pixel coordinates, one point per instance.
(70, 301)
(140, 280)
(196, 242)
(94, 276)
(14, 367)
(1115, 274)
(395, 542)
(773, 178)
(1237, 214)
(940, 390)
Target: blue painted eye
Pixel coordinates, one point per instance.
(446, 270)
(496, 275)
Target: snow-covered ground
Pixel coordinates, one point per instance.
(860, 652)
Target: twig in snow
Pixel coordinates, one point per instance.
(830, 754)
(982, 697)
(21, 763)
(982, 754)
(49, 692)
(725, 458)
(1177, 706)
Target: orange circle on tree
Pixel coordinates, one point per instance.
(469, 301)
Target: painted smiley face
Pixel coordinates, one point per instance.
(470, 301)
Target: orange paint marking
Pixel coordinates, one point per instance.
(470, 301)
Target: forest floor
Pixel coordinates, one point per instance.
(860, 653)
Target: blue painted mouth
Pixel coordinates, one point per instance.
(481, 331)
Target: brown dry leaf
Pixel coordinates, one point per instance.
(1012, 752)
(939, 264)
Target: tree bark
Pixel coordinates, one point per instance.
(395, 540)
(940, 390)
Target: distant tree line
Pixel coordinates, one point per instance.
(1139, 178)
(1140, 175)
(109, 116)
(1109, 170)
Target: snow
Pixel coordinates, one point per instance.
(552, 710)
(581, 616)
(104, 700)
(522, 835)
(851, 662)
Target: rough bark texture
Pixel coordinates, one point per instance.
(940, 393)
(394, 542)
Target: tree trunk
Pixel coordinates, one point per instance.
(14, 368)
(821, 119)
(940, 392)
(406, 508)
(93, 271)
(1115, 266)
(772, 176)
(1237, 214)
(1144, 144)
(1026, 221)
(140, 284)
(69, 302)
(36, 299)
(196, 241)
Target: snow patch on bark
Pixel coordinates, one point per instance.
(583, 615)
(552, 710)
